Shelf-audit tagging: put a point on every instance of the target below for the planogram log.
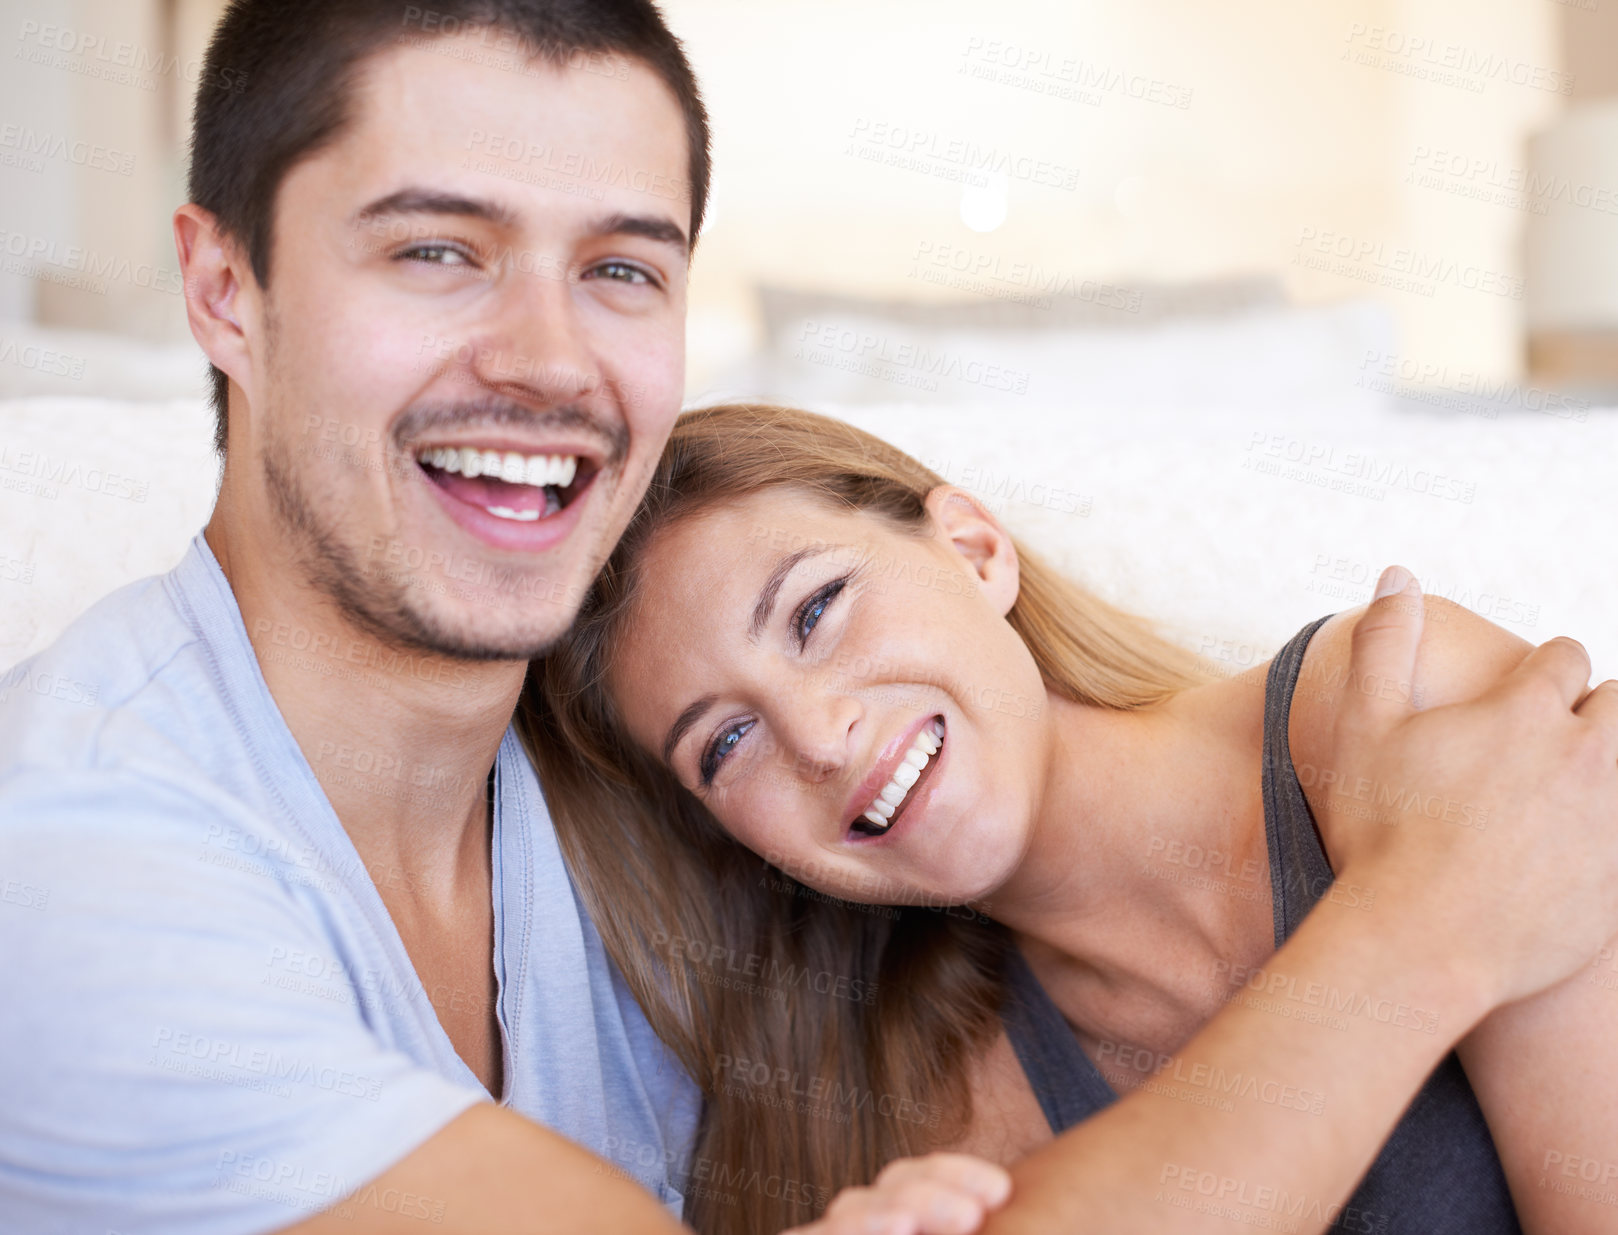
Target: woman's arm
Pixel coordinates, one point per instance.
(1544, 1069)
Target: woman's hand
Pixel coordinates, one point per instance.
(940, 1194)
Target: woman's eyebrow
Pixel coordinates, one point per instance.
(771, 591)
(762, 611)
(682, 724)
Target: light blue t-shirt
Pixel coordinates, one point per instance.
(208, 1022)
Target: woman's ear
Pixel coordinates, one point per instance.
(977, 537)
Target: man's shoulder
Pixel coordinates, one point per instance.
(129, 680)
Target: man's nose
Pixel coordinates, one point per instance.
(539, 349)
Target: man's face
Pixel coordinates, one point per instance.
(473, 344)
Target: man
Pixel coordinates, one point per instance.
(297, 914)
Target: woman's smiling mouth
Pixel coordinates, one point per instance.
(907, 774)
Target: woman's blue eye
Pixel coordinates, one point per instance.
(813, 616)
(810, 613)
(722, 746)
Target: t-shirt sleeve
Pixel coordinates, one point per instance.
(161, 1074)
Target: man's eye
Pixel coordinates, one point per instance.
(724, 742)
(622, 272)
(436, 255)
(808, 616)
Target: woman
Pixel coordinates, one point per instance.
(807, 649)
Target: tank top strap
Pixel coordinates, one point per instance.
(1069, 1087)
(1300, 873)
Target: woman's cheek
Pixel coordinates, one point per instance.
(762, 823)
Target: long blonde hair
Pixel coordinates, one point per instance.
(828, 1038)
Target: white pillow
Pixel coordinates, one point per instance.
(94, 493)
(1236, 532)
(1170, 354)
(87, 364)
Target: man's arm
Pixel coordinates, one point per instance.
(1170, 1157)
(492, 1172)
(1128, 1169)
(1544, 1069)
(1261, 1114)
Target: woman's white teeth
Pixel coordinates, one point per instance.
(905, 776)
(513, 468)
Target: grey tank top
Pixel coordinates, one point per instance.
(1438, 1174)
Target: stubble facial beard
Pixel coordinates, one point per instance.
(378, 600)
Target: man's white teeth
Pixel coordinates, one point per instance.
(505, 512)
(511, 467)
(553, 503)
(905, 776)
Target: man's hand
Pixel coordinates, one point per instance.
(940, 1194)
(1533, 764)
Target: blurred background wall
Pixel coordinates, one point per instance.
(1457, 160)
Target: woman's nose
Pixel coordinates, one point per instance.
(817, 732)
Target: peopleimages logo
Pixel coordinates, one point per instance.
(1043, 71)
(1490, 181)
(1396, 266)
(118, 60)
(919, 148)
(29, 142)
(1447, 63)
(47, 256)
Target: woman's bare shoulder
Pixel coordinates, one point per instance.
(1461, 655)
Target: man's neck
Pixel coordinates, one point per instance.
(401, 740)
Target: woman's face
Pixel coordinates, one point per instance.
(846, 697)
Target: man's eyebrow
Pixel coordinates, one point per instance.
(649, 226)
(432, 201)
(682, 725)
(771, 590)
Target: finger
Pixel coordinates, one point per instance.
(935, 1207)
(862, 1211)
(1600, 708)
(1382, 659)
(1560, 663)
(860, 1224)
(978, 1177)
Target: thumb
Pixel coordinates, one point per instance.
(1382, 661)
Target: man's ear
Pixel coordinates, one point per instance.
(220, 292)
(977, 537)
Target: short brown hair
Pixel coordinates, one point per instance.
(276, 83)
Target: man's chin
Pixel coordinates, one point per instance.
(508, 630)
(456, 605)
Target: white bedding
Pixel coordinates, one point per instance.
(1239, 530)
(1226, 526)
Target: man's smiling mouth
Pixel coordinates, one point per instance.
(508, 484)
